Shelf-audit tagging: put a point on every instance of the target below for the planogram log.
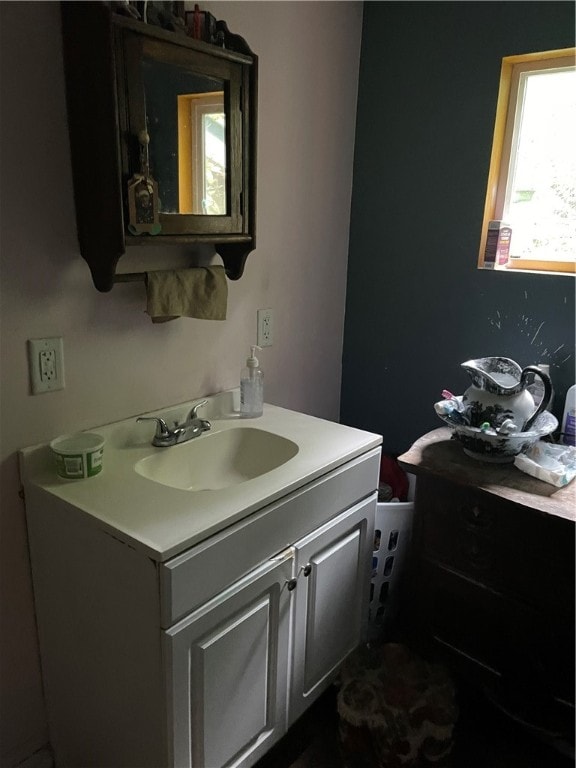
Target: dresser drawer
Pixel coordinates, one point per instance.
(477, 622)
(195, 576)
(502, 545)
(446, 511)
(493, 630)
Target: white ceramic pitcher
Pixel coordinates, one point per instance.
(499, 392)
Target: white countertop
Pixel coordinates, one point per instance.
(163, 521)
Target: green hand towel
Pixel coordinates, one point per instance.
(200, 292)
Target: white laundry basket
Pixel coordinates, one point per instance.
(392, 536)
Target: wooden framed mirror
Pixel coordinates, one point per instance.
(163, 138)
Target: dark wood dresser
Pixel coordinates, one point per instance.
(492, 578)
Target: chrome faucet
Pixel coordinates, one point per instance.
(181, 433)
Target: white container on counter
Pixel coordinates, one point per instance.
(78, 456)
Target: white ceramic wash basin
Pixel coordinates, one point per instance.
(218, 460)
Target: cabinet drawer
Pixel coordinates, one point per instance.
(448, 514)
(477, 622)
(193, 577)
(502, 545)
(524, 645)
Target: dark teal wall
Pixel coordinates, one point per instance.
(417, 306)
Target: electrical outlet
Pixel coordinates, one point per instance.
(264, 335)
(46, 360)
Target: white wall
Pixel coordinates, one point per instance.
(117, 362)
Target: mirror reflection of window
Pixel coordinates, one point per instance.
(185, 119)
(202, 153)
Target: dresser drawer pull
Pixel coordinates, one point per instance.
(477, 555)
(476, 517)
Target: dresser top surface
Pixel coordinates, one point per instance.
(437, 454)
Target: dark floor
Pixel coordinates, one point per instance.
(483, 738)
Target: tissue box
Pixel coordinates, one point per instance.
(555, 464)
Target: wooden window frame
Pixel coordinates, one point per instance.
(503, 127)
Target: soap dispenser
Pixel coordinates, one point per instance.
(252, 387)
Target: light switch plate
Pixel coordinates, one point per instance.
(46, 361)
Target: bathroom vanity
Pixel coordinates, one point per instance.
(191, 626)
(492, 591)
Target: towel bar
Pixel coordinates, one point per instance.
(137, 277)
(129, 277)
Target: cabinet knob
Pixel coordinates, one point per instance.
(307, 570)
(291, 584)
(476, 516)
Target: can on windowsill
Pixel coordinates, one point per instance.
(497, 251)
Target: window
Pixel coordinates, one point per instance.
(532, 177)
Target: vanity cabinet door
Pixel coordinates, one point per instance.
(227, 669)
(330, 601)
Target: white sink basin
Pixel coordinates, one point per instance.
(164, 500)
(218, 460)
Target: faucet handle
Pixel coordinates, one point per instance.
(161, 426)
(194, 411)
